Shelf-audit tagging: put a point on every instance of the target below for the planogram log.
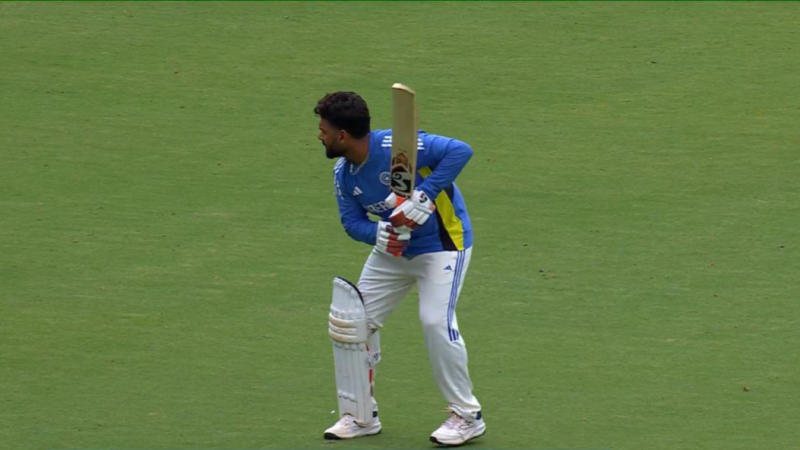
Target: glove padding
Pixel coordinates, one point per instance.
(410, 213)
(391, 241)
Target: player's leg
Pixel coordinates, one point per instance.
(440, 281)
(383, 283)
(348, 330)
(441, 276)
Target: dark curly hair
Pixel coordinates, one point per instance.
(345, 110)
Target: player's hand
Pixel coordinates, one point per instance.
(391, 241)
(410, 213)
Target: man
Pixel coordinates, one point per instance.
(426, 239)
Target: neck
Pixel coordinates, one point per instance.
(359, 151)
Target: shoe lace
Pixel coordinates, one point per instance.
(456, 422)
(349, 421)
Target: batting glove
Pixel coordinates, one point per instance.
(391, 241)
(410, 213)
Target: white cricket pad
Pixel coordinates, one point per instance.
(347, 327)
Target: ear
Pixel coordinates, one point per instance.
(342, 135)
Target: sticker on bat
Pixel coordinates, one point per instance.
(401, 180)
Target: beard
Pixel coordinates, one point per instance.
(331, 151)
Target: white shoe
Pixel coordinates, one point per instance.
(457, 430)
(347, 428)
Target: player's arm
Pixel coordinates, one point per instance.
(446, 157)
(356, 223)
(353, 216)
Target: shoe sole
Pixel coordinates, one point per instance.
(442, 444)
(333, 437)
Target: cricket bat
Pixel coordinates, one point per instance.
(403, 166)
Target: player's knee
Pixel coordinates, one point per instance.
(432, 323)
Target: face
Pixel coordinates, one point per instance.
(332, 138)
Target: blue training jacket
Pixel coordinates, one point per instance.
(362, 189)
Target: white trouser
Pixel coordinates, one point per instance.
(385, 281)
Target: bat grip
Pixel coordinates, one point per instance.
(400, 200)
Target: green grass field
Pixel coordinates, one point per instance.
(168, 231)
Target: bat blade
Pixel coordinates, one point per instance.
(403, 165)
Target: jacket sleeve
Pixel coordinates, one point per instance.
(446, 157)
(353, 216)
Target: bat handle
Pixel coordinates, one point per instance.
(400, 200)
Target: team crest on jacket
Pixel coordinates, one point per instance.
(385, 178)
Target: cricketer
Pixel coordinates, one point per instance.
(424, 239)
